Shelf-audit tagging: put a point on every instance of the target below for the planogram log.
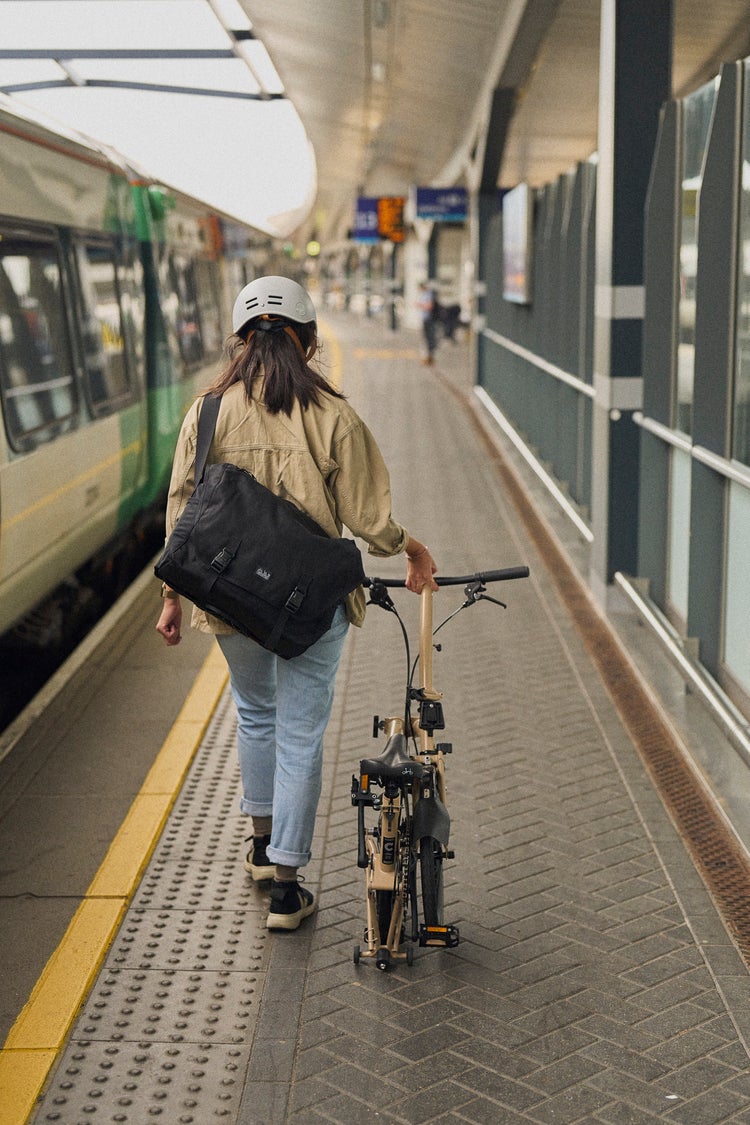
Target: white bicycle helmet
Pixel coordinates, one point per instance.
(272, 296)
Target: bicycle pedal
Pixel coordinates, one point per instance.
(446, 936)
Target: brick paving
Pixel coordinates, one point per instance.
(594, 981)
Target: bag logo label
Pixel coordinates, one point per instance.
(264, 574)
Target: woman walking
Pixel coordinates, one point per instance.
(283, 422)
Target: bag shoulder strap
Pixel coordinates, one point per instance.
(206, 426)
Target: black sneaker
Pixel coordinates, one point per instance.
(290, 903)
(256, 860)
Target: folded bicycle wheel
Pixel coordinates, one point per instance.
(384, 903)
(431, 873)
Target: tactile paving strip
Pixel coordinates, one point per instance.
(178, 1007)
(167, 1029)
(139, 1082)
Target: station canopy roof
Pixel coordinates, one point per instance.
(182, 88)
(364, 97)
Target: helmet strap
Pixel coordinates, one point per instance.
(267, 324)
(290, 332)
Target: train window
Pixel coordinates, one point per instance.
(109, 380)
(36, 375)
(208, 288)
(195, 284)
(188, 321)
(132, 302)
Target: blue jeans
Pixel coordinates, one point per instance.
(283, 708)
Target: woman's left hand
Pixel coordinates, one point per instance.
(170, 621)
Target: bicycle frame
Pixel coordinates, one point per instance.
(387, 854)
(408, 793)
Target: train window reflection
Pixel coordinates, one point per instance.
(105, 355)
(36, 377)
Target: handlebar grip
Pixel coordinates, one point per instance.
(505, 575)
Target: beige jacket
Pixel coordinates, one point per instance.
(323, 459)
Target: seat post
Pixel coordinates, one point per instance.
(425, 638)
(425, 657)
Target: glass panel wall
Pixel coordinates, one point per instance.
(737, 593)
(679, 532)
(741, 404)
(697, 111)
(737, 614)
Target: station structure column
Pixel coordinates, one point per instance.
(634, 83)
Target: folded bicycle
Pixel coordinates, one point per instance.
(403, 825)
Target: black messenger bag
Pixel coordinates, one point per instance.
(253, 559)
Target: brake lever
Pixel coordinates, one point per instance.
(495, 601)
(475, 592)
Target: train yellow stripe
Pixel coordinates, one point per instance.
(135, 447)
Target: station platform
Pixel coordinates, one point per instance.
(597, 979)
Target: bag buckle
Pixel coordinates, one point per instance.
(222, 560)
(295, 600)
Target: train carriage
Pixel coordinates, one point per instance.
(113, 312)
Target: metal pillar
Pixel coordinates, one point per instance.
(634, 83)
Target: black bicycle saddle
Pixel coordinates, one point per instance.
(394, 762)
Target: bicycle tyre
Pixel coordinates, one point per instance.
(431, 874)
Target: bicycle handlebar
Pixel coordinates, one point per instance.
(459, 580)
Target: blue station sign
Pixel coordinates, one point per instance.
(442, 205)
(366, 220)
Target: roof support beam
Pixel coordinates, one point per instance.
(119, 53)
(154, 87)
(501, 114)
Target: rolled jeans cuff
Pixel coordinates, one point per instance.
(253, 808)
(288, 859)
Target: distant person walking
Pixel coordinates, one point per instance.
(428, 305)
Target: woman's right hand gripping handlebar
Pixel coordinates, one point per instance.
(420, 567)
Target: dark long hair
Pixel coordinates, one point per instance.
(278, 358)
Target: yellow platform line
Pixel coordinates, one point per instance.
(386, 353)
(38, 1035)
